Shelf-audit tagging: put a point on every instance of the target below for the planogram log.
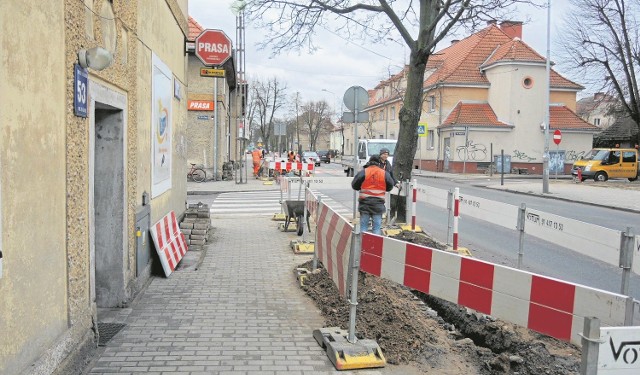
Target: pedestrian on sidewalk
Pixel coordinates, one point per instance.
(372, 182)
(257, 156)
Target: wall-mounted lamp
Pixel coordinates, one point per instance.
(96, 58)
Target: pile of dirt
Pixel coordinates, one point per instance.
(435, 335)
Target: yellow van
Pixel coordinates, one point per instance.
(602, 164)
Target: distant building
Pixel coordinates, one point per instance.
(598, 109)
(483, 94)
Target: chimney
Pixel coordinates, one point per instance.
(454, 41)
(491, 22)
(512, 28)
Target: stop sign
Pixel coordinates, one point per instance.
(213, 47)
(557, 136)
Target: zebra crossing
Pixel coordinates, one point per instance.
(261, 203)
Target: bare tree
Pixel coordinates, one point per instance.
(601, 43)
(315, 120)
(421, 24)
(267, 97)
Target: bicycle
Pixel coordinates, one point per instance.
(196, 174)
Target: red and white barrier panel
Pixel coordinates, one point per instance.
(169, 241)
(549, 306)
(311, 200)
(333, 242)
(280, 165)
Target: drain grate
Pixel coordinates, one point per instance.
(106, 331)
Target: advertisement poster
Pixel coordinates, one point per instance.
(161, 94)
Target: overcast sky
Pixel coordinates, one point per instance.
(339, 64)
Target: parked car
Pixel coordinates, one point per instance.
(604, 163)
(325, 156)
(311, 157)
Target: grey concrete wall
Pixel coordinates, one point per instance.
(109, 205)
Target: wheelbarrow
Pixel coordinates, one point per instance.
(295, 210)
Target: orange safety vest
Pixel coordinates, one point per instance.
(256, 155)
(374, 184)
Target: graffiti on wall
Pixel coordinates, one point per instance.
(522, 156)
(573, 155)
(472, 151)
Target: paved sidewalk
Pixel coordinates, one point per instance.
(213, 187)
(241, 312)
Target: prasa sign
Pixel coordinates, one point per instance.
(213, 47)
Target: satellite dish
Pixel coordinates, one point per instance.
(356, 98)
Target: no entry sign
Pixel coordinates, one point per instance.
(213, 47)
(557, 136)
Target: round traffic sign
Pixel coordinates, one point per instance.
(213, 47)
(557, 136)
(356, 98)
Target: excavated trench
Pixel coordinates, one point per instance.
(436, 335)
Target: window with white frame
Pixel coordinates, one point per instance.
(432, 103)
(596, 121)
(430, 140)
(393, 113)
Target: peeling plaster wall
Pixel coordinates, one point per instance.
(160, 33)
(33, 287)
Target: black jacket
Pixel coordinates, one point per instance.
(372, 205)
(389, 168)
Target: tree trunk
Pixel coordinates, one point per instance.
(409, 116)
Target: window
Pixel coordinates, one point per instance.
(430, 140)
(381, 115)
(527, 82)
(596, 121)
(629, 157)
(381, 136)
(432, 103)
(393, 113)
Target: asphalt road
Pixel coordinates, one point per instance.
(500, 245)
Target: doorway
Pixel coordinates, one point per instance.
(108, 193)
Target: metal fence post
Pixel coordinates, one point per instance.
(626, 259)
(314, 264)
(590, 343)
(355, 268)
(449, 215)
(520, 227)
(407, 200)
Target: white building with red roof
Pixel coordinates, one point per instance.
(484, 94)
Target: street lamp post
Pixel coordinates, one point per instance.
(547, 124)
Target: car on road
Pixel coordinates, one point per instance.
(311, 157)
(325, 156)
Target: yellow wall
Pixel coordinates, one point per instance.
(33, 311)
(160, 33)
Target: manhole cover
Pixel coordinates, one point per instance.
(107, 331)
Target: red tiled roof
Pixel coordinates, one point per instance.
(474, 114)
(561, 117)
(194, 29)
(462, 62)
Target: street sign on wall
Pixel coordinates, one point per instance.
(80, 90)
(213, 47)
(422, 129)
(209, 72)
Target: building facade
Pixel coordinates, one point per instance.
(484, 95)
(88, 155)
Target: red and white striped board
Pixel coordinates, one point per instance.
(280, 165)
(549, 306)
(311, 200)
(169, 241)
(333, 242)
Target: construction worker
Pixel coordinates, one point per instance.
(386, 165)
(372, 182)
(256, 155)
